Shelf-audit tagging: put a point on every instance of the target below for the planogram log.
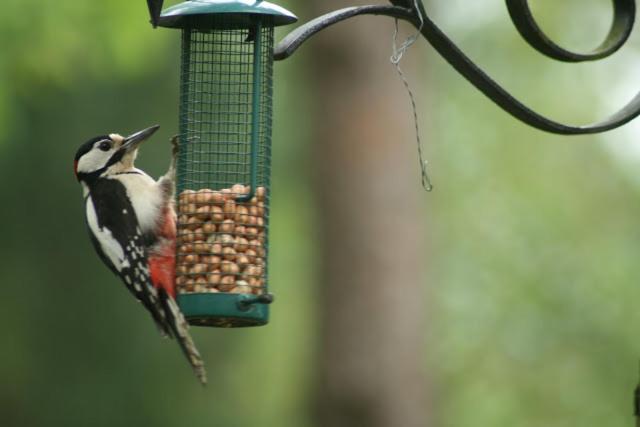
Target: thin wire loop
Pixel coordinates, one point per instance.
(396, 57)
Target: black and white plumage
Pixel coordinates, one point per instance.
(131, 223)
(119, 241)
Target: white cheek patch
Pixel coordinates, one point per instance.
(93, 160)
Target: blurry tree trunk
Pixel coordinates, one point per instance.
(371, 355)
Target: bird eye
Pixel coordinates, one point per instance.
(105, 146)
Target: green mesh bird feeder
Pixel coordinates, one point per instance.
(224, 158)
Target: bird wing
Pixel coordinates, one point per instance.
(117, 238)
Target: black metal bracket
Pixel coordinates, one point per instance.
(623, 21)
(155, 9)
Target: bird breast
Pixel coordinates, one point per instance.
(146, 197)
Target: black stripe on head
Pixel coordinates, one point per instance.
(117, 156)
(87, 146)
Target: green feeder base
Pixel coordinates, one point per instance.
(223, 310)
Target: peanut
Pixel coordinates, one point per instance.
(226, 193)
(217, 213)
(226, 240)
(213, 262)
(252, 255)
(216, 197)
(203, 213)
(242, 287)
(216, 249)
(203, 196)
(198, 235)
(185, 249)
(201, 248)
(187, 196)
(242, 261)
(239, 189)
(228, 267)
(198, 269)
(191, 259)
(229, 253)
(229, 208)
(188, 208)
(227, 226)
(209, 227)
(227, 283)
(242, 214)
(242, 244)
(214, 278)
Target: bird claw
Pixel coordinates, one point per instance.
(175, 145)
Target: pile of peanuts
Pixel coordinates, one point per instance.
(221, 241)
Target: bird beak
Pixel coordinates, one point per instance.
(131, 142)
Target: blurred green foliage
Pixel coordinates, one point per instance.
(532, 269)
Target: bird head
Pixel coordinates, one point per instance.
(108, 154)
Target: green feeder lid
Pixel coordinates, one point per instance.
(237, 14)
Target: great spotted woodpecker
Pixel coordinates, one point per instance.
(132, 225)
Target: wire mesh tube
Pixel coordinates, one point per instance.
(223, 174)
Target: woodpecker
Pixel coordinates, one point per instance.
(132, 225)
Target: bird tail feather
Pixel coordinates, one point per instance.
(180, 330)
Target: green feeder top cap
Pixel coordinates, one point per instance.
(237, 14)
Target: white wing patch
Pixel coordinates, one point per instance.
(108, 243)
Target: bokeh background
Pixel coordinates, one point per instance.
(527, 249)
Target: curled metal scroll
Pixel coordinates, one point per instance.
(624, 12)
(624, 18)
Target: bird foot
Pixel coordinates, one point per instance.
(175, 146)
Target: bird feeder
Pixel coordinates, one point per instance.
(224, 158)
